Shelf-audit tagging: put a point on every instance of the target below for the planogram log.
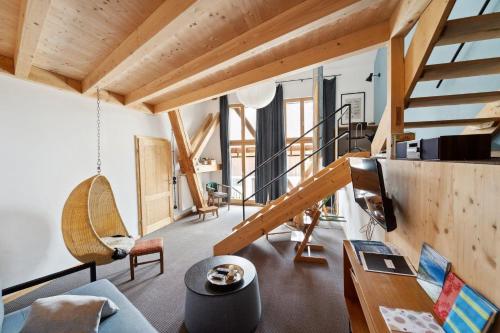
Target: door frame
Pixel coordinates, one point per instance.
(138, 180)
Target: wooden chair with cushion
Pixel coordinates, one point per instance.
(218, 192)
(144, 247)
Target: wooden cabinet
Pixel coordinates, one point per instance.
(365, 291)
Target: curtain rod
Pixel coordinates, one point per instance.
(306, 78)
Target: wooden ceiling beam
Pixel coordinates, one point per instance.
(205, 137)
(292, 19)
(429, 28)
(31, 19)
(156, 28)
(363, 39)
(61, 82)
(195, 141)
(406, 15)
(184, 151)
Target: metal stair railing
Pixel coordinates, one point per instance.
(343, 109)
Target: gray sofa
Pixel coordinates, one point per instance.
(127, 320)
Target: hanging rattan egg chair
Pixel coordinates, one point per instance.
(92, 227)
(91, 223)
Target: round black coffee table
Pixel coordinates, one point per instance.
(215, 309)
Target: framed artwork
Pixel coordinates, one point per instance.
(357, 101)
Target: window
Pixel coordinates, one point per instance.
(242, 125)
(299, 119)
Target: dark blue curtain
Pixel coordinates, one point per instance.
(269, 139)
(328, 127)
(224, 140)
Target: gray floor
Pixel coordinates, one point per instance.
(295, 297)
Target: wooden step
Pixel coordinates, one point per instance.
(483, 97)
(450, 122)
(469, 29)
(459, 69)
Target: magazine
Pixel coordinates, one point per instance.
(432, 270)
(369, 246)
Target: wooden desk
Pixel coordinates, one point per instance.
(365, 291)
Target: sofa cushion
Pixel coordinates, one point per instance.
(127, 320)
(13, 322)
(2, 309)
(68, 313)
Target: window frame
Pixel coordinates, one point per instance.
(243, 143)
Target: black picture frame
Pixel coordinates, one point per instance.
(357, 116)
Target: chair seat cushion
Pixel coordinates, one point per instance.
(123, 243)
(147, 246)
(220, 194)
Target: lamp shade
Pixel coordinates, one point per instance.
(257, 96)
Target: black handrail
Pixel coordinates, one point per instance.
(332, 140)
(348, 132)
(282, 150)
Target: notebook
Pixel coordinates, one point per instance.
(451, 288)
(386, 263)
(432, 270)
(402, 320)
(369, 246)
(470, 313)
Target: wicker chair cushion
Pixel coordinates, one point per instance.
(123, 243)
(220, 194)
(147, 246)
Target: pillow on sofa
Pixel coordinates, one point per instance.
(68, 313)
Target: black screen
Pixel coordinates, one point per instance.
(369, 191)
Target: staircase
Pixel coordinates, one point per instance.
(325, 183)
(459, 31)
(433, 29)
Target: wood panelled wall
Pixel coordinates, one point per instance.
(455, 207)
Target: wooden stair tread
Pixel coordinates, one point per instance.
(468, 29)
(471, 98)
(450, 122)
(461, 69)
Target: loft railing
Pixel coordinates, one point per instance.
(343, 109)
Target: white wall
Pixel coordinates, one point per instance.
(48, 146)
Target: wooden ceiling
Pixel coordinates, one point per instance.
(157, 55)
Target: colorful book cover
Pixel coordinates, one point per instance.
(471, 313)
(432, 270)
(369, 246)
(451, 288)
(401, 320)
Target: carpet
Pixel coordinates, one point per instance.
(295, 297)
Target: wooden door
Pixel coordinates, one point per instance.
(154, 185)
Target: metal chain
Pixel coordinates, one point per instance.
(98, 132)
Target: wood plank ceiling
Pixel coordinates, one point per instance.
(158, 55)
